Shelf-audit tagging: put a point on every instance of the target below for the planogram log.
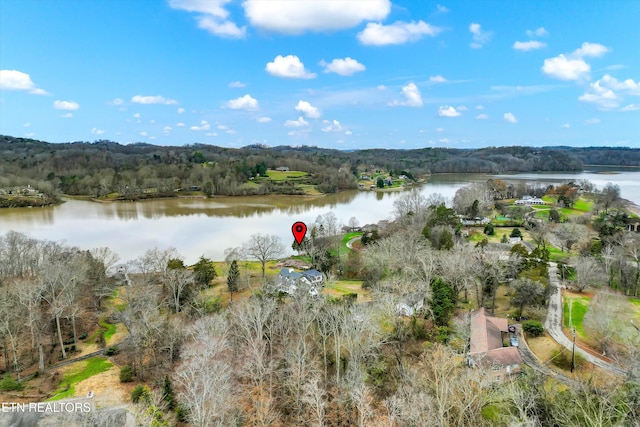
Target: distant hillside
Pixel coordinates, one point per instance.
(103, 167)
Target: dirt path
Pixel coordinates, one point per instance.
(553, 324)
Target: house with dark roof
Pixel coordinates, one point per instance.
(488, 335)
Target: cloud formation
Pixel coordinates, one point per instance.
(17, 80)
(66, 105)
(375, 34)
(573, 66)
(212, 17)
(246, 102)
(412, 96)
(308, 110)
(608, 92)
(297, 17)
(448, 111)
(204, 125)
(157, 99)
(480, 37)
(301, 122)
(344, 67)
(288, 67)
(529, 45)
(510, 118)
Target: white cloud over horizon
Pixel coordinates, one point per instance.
(246, 102)
(17, 80)
(412, 96)
(529, 45)
(448, 111)
(343, 67)
(308, 110)
(156, 99)
(301, 122)
(66, 105)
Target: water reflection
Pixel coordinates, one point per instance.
(208, 226)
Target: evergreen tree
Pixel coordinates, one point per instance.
(232, 278)
(443, 302)
(205, 271)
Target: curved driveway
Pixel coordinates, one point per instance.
(553, 324)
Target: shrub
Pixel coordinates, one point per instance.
(488, 229)
(181, 413)
(533, 328)
(139, 392)
(83, 335)
(126, 375)
(112, 351)
(8, 383)
(516, 233)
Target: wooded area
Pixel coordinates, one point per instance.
(141, 170)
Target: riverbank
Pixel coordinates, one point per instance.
(631, 207)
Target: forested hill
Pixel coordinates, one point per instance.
(99, 167)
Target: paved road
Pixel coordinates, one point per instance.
(553, 324)
(530, 359)
(352, 241)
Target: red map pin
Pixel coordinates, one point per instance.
(299, 230)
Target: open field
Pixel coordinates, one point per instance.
(575, 308)
(78, 372)
(285, 175)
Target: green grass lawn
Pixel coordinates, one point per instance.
(284, 176)
(555, 254)
(583, 205)
(579, 307)
(82, 371)
(110, 329)
(344, 250)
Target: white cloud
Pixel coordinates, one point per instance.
(566, 126)
(180, 124)
(592, 121)
(442, 9)
(530, 45)
(137, 115)
(437, 79)
(17, 80)
(263, 119)
(236, 84)
(348, 132)
(29, 134)
(246, 102)
(482, 116)
(331, 126)
(211, 134)
(152, 121)
(157, 99)
(301, 122)
(296, 17)
(180, 110)
(308, 110)
(66, 115)
(344, 67)
(630, 107)
(212, 17)
(590, 50)
(27, 125)
(573, 66)
(399, 32)
(381, 87)
(563, 68)
(479, 107)
(66, 105)
(510, 118)
(480, 37)
(222, 127)
(539, 32)
(288, 67)
(167, 129)
(143, 133)
(607, 93)
(439, 130)
(412, 95)
(116, 101)
(204, 125)
(96, 131)
(448, 111)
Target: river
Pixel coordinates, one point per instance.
(207, 227)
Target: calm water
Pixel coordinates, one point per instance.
(196, 227)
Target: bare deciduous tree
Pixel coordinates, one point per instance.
(264, 248)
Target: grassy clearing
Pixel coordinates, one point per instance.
(555, 254)
(80, 371)
(344, 250)
(110, 329)
(344, 287)
(575, 309)
(285, 176)
(583, 205)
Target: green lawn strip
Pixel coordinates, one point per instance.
(555, 254)
(285, 175)
(346, 286)
(344, 250)
(87, 369)
(110, 329)
(579, 308)
(583, 205)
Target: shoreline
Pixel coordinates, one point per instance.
(631, 206)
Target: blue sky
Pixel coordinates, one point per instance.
(335, 73)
